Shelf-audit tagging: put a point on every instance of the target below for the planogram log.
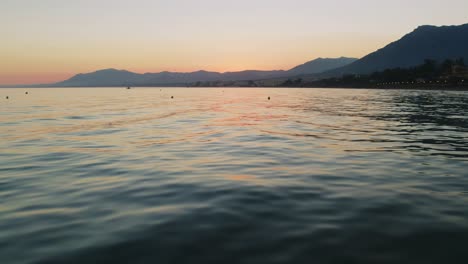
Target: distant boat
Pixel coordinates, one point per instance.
(128, 88)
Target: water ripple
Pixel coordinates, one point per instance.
(210, 176)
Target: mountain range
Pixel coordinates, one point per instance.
(425, 42)
(113, 77)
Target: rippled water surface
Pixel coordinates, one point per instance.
(112, 175)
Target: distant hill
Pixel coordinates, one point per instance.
(425, 42)
(113, 77)
(320, 65)
(108, 77)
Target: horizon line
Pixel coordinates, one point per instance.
(170, 71)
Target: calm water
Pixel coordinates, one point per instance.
(227, 176)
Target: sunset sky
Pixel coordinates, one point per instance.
(51, 40)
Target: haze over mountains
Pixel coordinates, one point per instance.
(113, 77)
(425, 42)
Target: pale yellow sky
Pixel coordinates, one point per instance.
(50, 40)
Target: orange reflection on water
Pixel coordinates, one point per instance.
(244, 178)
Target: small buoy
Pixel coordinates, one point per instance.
(26, 93)
(172, 97)
(7, 97)
(268, 97)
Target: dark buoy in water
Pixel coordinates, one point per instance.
(128, 88)
(268, 97)
(26, 93)
(6, 97)
(172, 97)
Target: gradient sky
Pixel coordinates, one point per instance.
(51, 40)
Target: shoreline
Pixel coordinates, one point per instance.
(433, 88)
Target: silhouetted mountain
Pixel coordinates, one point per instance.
(320, 65)
(108, 77)
(426, 42)
(251, 75)
(113, 77)
(176, 77)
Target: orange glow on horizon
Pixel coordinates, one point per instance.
(50, 41)
(49, 63)
(32, 78)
